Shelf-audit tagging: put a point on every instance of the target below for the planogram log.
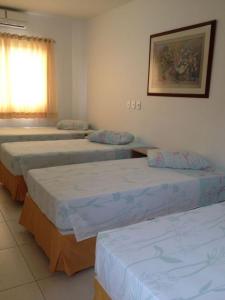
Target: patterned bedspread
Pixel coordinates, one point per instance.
(21, 134)
(18, 157)
(93, 197)
(177, 257)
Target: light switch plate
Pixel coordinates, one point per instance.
(133, 104)
(129, 104)
(138, 105)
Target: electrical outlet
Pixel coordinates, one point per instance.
(129, 104)
(133, 104)
(138, 105)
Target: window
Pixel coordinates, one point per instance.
(27, 86)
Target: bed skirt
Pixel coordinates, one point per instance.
(64, 252)
(14, 184)
(100, 293)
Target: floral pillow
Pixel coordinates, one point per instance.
(111, 137)
(177, 160)
(72, 125)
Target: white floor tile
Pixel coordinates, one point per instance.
(4, 194)
(60, 286)
(29, 291)
(21, 235)
(13, 269)
(37, 260)
(1, 218)
(6, 238)
(19, 270)
(10, 209)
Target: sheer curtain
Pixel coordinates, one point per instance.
(27, 77)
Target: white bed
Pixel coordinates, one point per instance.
(20, 157)
(20, 134)
(91, 197)
(177, 257)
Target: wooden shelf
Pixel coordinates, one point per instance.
(141, 152)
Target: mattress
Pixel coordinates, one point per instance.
(20, 157)
(177, 257)
(20, 134)
(92, 197)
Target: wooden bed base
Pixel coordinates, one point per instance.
(64, 252)
(100, 293)
(14, 184)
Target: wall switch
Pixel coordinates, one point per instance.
(133, 104)
(129, 104)
(138, 105)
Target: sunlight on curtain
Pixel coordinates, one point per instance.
(27, 85)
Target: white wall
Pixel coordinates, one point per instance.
(61, 30)
(79, 64)
(118, 47)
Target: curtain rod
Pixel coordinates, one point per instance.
(26, 37)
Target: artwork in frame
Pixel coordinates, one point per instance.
(180, 61)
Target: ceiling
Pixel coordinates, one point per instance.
(73, 8)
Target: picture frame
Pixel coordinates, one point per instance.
(180, 61)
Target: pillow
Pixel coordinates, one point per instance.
(176, 160)
(111, 137)
(72, 125)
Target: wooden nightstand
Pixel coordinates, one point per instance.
(141, 152)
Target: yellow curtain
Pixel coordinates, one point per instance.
(27, 77)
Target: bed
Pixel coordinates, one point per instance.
(17, 158)
(79, 201)
(20, 134)
(180, 256)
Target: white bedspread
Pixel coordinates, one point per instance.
(18, 158)
(92, 197)
(177, 257)
(21, 134)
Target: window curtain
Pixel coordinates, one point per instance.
(27, 77)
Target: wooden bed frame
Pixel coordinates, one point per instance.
(99, 292)
(64, 252)
(14, 184)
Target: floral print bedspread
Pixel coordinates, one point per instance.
(177, 257)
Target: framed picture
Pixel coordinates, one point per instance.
(180, 61)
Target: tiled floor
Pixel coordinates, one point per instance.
(24, 273)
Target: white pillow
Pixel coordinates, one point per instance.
(111, 137)
(177, 160)
(72, 125)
